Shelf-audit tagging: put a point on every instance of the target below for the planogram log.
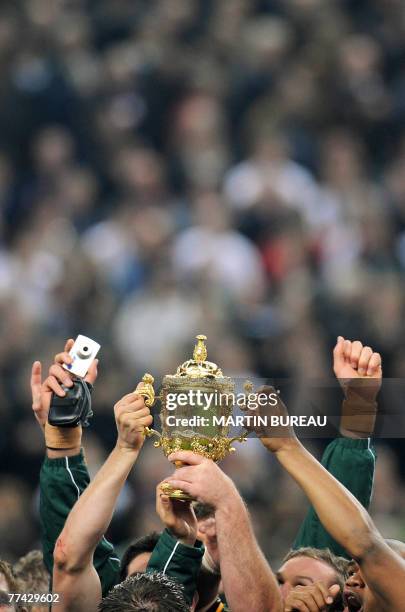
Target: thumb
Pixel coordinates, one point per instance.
(165, 499)
(333, 590)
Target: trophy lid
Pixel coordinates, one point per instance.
(198, 366)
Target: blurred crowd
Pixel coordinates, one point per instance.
(173, 167)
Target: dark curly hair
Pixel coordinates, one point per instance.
(142, 592)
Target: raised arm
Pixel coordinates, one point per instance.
(74, 575)
(248, 581)
(348, 523)
(351, 458)
(64, 475)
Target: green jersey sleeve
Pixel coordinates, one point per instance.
(62, 481)
(183, 563)
(352, 462)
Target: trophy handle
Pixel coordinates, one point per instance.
(145, 388)
(242, 438)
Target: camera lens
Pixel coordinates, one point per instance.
(84, 352)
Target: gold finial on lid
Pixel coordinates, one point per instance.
(200, 350)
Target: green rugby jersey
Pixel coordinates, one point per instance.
(351, 461)
(62, 481)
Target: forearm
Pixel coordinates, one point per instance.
(339, 511)
(249, 583)
(352, 463)
(92, 513)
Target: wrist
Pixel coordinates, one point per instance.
(184, 539)
(62, 439)
(229, 503)
(124, 447)
(290, 446)
(276, 445)
(52, 453)
(188, 541)
(123, 450)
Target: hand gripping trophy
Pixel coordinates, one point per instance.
(192, 402)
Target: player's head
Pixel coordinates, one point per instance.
(356, 590)
(31, 571)
(357, 595)
(137, 555)
(143, 592)
(32, 574)
(8, 584)
(305, 566)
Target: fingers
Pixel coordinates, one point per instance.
(311, 598)
(132, 422)
(321, 595)
(347, 349)
(333, 592)
(63, 358)
(355, 353)
(36, 383)
(186, 457)
(184, 473)
(130, 403)
(296, 605)
(181, 484)
(61, 375)
(36, 375)
(68, 345)
(364, 359)
(162, 500)
(361, 358)
(51, 384)
(374, 365)
(338, 351)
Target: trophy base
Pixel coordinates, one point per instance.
(175, 493)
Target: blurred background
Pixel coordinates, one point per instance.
(173, 167)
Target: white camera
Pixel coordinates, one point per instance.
(83, 353)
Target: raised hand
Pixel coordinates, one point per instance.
(178, 516)
(57, 376)
(353, 362)
(131, 417)
(201, 477)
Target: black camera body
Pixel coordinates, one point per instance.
(74, 408)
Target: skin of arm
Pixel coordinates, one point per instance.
(74, 576)
(347, 522)
(351, 461)
(242, 562)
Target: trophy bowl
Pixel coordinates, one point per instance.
(196, 402)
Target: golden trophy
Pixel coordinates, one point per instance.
(193, 400)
